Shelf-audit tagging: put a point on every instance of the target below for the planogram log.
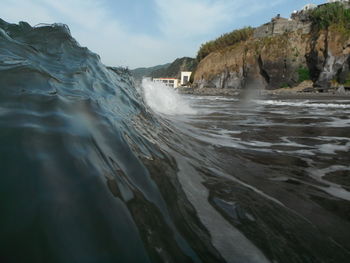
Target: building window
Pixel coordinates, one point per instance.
(185, 79)
(171, 81)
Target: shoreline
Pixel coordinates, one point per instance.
(311, 95)
(265, 94)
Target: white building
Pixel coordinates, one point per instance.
(185, 77)
(309, 7)
(170, 82)
(173, 82)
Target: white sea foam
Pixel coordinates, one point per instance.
(304, 103)
(331, 148)
(332, 188)
(322, 172)
(335, 122)
(166, 100)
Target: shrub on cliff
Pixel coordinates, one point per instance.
(331, 15)
(303, 74)
(224, 41)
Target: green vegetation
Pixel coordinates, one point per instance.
(331, 15)
(304, 74)
(224, 41)
(285, 85)
(346, 81)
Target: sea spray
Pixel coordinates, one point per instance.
(165, 100)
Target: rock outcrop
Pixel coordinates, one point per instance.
(282, 53)
(329, 58)
(270, 62)
(280, 25)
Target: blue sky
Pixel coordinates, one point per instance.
(137, 33)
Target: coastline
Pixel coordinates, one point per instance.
(266, 94)
(310, 95)
(209, 91)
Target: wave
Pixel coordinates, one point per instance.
(82, 171)
(164, 99)
(88, 172)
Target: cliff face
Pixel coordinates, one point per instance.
(280, 54)
(329, 58)
(270, 62)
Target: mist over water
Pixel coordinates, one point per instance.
(94, 171)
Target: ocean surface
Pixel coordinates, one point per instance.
(96, 169)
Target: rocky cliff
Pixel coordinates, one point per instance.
(282, 53)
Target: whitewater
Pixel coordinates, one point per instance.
(96, 169)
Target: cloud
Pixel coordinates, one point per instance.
(91, 24)
(182, 25)
(194, 18)
(184, 18)
(30, 11)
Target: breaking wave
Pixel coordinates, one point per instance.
(82, 171)
(164, 99)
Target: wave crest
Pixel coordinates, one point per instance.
(166, 100)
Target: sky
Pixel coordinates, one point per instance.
(144, 33)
